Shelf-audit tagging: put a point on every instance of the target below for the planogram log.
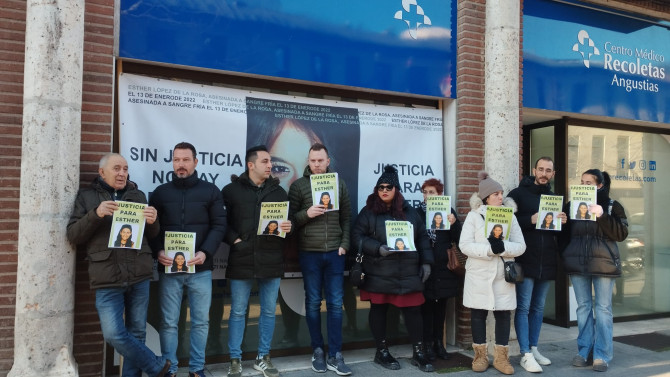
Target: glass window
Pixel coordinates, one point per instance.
(639, 164)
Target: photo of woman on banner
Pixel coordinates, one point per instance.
(400, 244)
(272, 228)
(497, 231)
(582, 212)
(325, 200)
(548, 221)
(438, 221)
(179, 263)
(124, 237)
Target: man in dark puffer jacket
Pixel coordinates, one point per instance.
(120, 276)
(538, 262)
(253, 258)
(188, 204)
(323, 241)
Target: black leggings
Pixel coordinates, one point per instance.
(413, 322)
(434, 313)
(478, 324)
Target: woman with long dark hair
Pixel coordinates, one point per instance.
(442, 282)
(124, 238)
(272, 228)
(325, 200)
(592, 260)
(393, 278)
(179, 263)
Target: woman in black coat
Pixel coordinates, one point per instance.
(393, 277)
(591, 258)
(442, 283)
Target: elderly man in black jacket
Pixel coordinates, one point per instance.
(120, 276)
(188, 204)
(253, 257)
(538, 262)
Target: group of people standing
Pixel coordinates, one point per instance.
(418, 283)
(587, 249)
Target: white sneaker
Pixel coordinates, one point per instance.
(538, 356)
(528, 363)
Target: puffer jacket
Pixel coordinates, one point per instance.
(109, 268)
(256, 256)
(442, 282)
(191, 205)
(540, 259)
(485, 286)
(397, 273)
(327, 232)
(591, 248)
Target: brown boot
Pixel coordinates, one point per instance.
(501, 360)
(481, 361)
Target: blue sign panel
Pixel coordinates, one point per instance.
(586, 61)
(404, 46)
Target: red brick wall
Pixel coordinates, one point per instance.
(470, 121)
(12, 37)
(96, 135)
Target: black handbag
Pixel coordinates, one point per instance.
(513, 271)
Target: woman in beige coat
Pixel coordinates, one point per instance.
(485, 287)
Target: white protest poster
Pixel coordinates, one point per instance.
(155, 114)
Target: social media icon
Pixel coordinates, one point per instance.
(631, 165)
(642, 165)
(652, 165)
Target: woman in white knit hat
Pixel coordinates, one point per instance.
(485, 288)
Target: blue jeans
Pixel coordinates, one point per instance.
(199, 290)
(128, 338)
(323, 271)
(595, 334)
(530, 296)
(268, 289)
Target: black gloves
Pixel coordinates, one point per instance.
(424, 272)
(384, 251)
(497, 245)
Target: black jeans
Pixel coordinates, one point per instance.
(478, 324)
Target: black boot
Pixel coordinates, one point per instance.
(420, 360)
(430, 351)
(440, 351)
(383, 357)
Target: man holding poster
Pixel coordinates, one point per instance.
(120, 275)
(253, 258)
(323, 242)
(538, 262)
(188, 204)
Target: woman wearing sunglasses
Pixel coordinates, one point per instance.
(392, 277)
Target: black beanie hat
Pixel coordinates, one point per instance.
(389, 177)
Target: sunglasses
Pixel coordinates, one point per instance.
(381, 188)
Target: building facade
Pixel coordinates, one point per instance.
(502, 86)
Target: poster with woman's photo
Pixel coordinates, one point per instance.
(581, 196)
(437, 209)
(400, 235)
(127, 226)
(498, 222)
(180, 246)
(272, 214)
(547, 215)
(325, 190)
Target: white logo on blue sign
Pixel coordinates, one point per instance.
(586, 47)
(413, 15)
